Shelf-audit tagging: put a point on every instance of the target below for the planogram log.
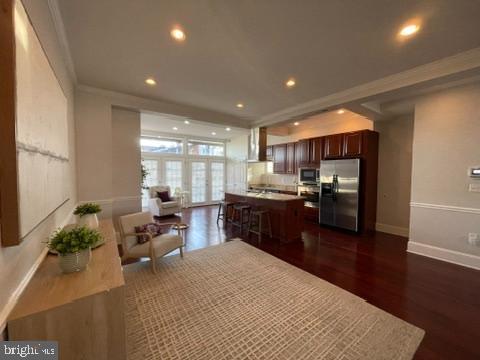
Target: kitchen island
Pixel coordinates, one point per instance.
(286, 211)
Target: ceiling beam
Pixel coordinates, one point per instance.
(463, 64)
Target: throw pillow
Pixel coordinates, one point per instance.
(153, 228)
(163, 195)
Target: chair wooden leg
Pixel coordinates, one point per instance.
(241, 221)
(218, 214)
(249, 224)
(154, 265)
(260, 228)
(181, 252)
(269, 225)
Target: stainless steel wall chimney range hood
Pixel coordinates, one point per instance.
(257, 145)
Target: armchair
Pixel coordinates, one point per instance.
(162, 208)
(154, 247)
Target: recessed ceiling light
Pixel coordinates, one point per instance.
(178, 34)
(187, 122)
(290, 83)
(175, 128)
(240, 105)
(296, 123)
(341, 111)
(409, 30)
(214, 133)
(228, 129)
(150, 81)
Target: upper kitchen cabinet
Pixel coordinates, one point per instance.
(308, 152)
(349, 145)
(280, 158)
(270, 153)
(316, 152)
(333, 146)
(352, 143)
(291, 164)
(302, 152)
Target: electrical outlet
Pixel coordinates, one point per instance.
(474, 239)
(474, 187)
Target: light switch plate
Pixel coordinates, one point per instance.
(474, 187)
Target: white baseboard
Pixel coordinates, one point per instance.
(451, 256)
(391, 229)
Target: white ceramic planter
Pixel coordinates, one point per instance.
(89, 220)
(75, 261)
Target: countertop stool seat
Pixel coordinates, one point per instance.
(241, 215)
(259, 218)
(225, 209)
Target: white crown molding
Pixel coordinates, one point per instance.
(136, 103)
(445, 208)
(464, 61)
(62, 37)
(451, 256)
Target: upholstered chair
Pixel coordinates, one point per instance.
(154, 247)
(162, 208)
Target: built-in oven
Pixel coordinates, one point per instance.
(308, 176)
(311, 195)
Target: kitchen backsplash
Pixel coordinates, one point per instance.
(260, 173)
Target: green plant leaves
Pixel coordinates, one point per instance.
(73, 240)
(87, 208)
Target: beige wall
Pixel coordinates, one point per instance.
(17, 262)
(126, 174)
(394, 174)
(94, 146)
(445, 144)
(108, 151)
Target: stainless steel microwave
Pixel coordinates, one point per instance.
(308, 176)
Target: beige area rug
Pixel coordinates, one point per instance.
(233, 301)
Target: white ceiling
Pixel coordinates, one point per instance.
(245, 50)
(312, 123)
(164, 123)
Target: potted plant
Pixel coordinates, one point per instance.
(88, 215)
(73, 246)
(144, 174)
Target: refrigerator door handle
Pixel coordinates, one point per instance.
(335, 187)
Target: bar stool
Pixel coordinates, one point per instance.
(242, 211)
(224, 209)
(255, 222)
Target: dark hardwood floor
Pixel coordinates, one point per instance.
(439, 297)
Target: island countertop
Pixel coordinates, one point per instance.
(266, 196)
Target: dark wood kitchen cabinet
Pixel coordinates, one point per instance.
(270, 153)
(279, 158)
(352, 144)
(333, 147)
(302, 152)
(309, 152)
(316, 152)
(291, 164)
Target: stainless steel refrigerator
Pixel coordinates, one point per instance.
(339, 193)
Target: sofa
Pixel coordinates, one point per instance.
(162, 208)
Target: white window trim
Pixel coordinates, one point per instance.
(185, 157)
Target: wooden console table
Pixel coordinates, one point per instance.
(83, 311)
